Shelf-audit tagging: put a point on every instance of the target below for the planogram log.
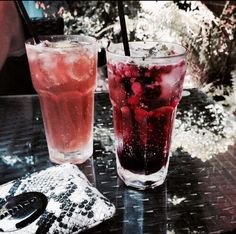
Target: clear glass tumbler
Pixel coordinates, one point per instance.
(63, 70)
(145, 89)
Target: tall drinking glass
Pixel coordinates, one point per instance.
(63, 70)
(145, 89)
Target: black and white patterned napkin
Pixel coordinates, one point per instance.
(74, 205)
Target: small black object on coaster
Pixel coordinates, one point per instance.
(21, 210)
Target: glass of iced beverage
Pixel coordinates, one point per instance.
(63, 70)
(145, 89)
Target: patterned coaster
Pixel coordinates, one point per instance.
(74, 205)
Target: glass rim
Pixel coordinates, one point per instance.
(91, 40)
(172, 56)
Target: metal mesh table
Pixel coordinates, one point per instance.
(197, 197)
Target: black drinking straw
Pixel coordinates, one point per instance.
(123, 28)
(27, 20)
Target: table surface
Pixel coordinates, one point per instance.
(198, 196)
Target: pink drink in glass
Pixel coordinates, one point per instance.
(145, 90)
(63, 70)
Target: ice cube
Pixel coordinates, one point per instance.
(32, 55)
(48, 61)
(168, 81)
(71, 58)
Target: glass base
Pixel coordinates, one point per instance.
(141, 181)
(77, 157)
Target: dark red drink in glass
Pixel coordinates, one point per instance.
(145, 90)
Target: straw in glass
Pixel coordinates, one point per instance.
(123, 28)
(27, 20)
